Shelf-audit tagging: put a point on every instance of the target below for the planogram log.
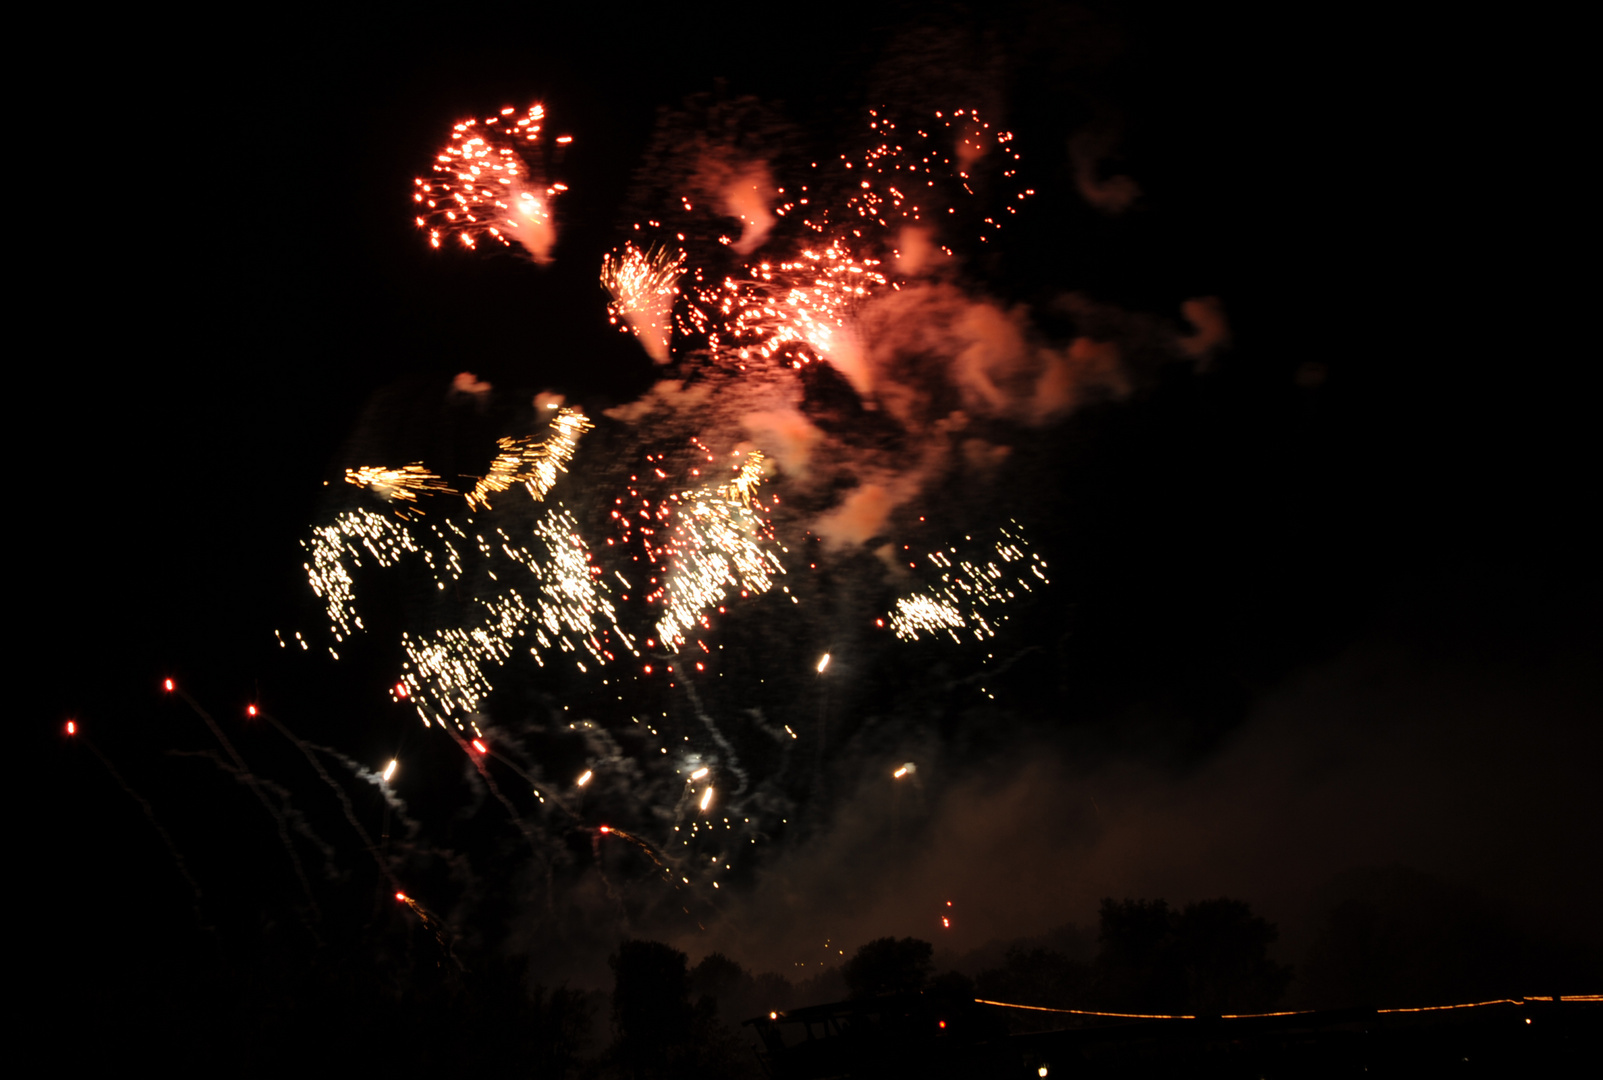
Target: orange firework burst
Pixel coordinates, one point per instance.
(792, 307)
(643, 285)
(484, 186)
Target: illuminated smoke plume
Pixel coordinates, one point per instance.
(1089, 151)
(467, 384)
(746, 196)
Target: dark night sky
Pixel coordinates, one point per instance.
(1324, 606)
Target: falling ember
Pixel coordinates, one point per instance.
(484, 187)
(250, 710)
(72, 727)
(906, 769)
(480, 747)
(706, 799)
(389, 770)
(585, 779)
(823, 663)
(699, 773)
(167, 685)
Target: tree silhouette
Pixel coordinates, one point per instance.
(1211, 957)
(651, 1009)
(1223, 955)
(888, 966)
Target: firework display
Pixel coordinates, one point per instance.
(652, 645)
(571, 612)
(694, 537)
(643, 286)
(796, 514)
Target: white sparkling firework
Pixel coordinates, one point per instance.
(968, 592)
(718, 545)
(337, 549)
(563, 605)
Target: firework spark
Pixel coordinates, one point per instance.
(484, 186)
(337, 549)
(789, 309)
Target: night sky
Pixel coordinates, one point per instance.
(1321, 605)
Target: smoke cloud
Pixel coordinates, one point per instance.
(1460, 770)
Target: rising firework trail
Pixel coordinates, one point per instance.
(79, 736)
(252, 781)
(339, 792)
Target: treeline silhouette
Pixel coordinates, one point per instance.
(420, 1006)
